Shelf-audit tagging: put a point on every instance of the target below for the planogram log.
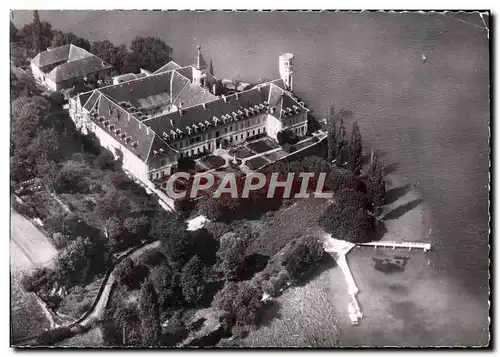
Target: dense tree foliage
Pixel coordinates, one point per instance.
(287, 137)
(193, 281)
(41, 278)
(232, 253)
(73, 264)
(149, 313)
(131, 275)
(301, 256)
(241, 303)
(65, 38)
(376, 184)
(148, 53)
(108, 52)
(354, 161)
(168, 285)
(348, 219)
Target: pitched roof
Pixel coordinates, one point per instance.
(215, 108)
(60, 54)
(78, 68)
(127, 129)
(55, 55)
(170, 66)
(159, 89)
(277, 100)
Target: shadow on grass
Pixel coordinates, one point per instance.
(395, 193)
(401, 210)
(270, 312)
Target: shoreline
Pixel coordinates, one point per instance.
(415, 307)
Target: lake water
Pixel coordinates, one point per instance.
(428, 120)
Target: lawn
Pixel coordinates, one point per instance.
(276, 229)
(263, 145)
(241, 152)
(256, 162)
(213, 161)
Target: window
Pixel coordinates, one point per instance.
(225, 129)
(241, 136)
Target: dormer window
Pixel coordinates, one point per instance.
(134, 144)
(112, 126)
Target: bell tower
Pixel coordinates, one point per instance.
(286, 69)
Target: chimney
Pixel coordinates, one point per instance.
(237, 96)
(171, 122)
(225, 98)
(204, 106)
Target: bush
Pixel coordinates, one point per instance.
(105, 161)
(287, 137)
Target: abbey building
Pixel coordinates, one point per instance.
(151, 120)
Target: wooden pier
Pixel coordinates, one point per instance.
(408, 245)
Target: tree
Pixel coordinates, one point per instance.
(177, 243)
(339, 179)
(113, 204)
(149, 313)
(131, 275)
(138, 227)
(232, 253)
(376, 184)
(43, 31)
(348, 219)
(14, 33)
(65, 38)
(167, 283)
(241, 303)
(192, 281)
(149, 53)
(341, 141)
(37, 28)
(210, 69)
(287, 137)
(332, 135)
(354, 162)
(301, 256)
(108, 52)
(72, 178)
(82, 259)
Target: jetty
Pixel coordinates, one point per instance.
(391, 244)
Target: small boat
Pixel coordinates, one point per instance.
(424, 58)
